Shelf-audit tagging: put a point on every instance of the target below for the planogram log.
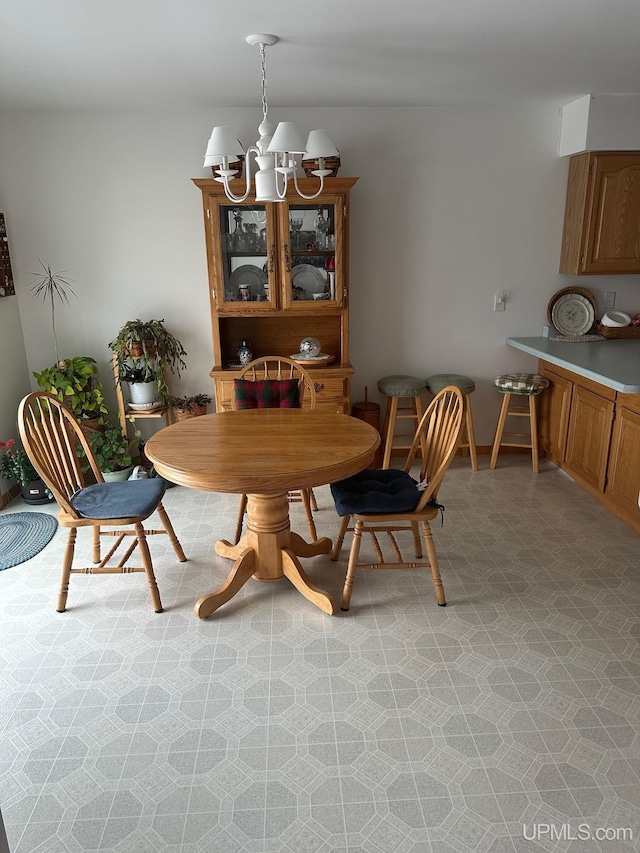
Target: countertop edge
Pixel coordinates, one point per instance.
(542, 348)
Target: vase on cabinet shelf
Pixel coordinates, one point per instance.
(245, 353)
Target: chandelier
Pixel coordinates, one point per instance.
(275, 151)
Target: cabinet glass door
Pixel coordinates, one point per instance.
(312, 273)
(247, 255)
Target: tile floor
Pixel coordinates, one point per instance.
(400, 727)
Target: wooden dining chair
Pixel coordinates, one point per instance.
(51, 437)
(274, 382)
(391, 500)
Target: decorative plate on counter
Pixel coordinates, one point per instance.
(570, 291)
(572, 314)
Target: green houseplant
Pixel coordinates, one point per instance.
(144, 381)
(112, 450)
(51, 286)
(148, 346)
(190, 407)
(16, 465)
(74, 381)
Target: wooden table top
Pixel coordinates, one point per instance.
(262, 451)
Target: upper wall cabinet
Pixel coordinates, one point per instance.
(602, 216)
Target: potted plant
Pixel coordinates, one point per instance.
(143, 381)
(51, 286)
(149, 346)
(74, 381)
(112, 451)
(190, 407)
(16, 465)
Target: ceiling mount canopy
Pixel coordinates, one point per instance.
(275, 151)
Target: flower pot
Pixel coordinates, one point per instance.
(185, 414)
(136, 347)
(35, 493)
(143, 393)
(115, 476)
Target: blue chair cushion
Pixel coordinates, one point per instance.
(376, 491)
(130, 498)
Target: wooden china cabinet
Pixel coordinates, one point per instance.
(278, 273)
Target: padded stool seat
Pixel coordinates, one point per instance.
(518, 385)
(400, 385)
(395, 387)
(521, 383)
(435, 384)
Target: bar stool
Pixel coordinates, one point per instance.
(397, 387)
(435, 384)
(518, 385)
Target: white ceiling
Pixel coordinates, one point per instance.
(192, 53)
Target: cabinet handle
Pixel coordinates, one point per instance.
(287, 258)
(272, 254)
(318, 386)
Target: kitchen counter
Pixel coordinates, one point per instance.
(614, 363)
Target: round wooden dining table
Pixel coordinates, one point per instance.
(264, 453)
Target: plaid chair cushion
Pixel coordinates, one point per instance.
(267, 394)
(521, 383)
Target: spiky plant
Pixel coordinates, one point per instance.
(52, 286)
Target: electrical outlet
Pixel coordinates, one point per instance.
(610, 299)
(500, 301)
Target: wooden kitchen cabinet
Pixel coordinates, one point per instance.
(279, 272)
(553, 415)
(593, 433)
(623, 485)
(601, 234)
(588, 437)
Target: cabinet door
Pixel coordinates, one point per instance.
(312, 260)
(243, 246)
(588, 438)
(553, 416)
(613, 235)
(623, 481)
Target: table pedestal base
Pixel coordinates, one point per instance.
(268, 552)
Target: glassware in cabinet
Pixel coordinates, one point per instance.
(315, 235)
(245, 240)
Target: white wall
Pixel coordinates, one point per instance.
(452, 204)
(14, 376)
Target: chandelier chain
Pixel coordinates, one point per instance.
(263, 69)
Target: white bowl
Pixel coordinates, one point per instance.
(616, 319)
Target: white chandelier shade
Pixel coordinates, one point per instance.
(286, 139)
(275, 152)
(222, 143)
(319, 145)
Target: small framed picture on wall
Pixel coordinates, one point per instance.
(6, 276)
